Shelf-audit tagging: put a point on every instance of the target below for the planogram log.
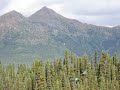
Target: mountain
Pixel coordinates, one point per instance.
(47, 34)
(76, 36)
(21, 40)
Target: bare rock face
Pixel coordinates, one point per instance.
(11, 18)
(47, 34)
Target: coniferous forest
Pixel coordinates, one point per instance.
(69, 73)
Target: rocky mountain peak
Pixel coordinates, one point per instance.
(12, 14)
(45, 11)
(45, 8)
(45, 15)
(11, 18)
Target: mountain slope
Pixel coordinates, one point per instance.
(76, 36)
(22, 40)
(47, 34)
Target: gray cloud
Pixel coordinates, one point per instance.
(107, 20)
(99, 12)
(3, 4)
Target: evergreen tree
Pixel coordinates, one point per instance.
(62, 74)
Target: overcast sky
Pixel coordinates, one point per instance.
(98, 12)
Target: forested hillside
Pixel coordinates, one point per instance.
(70, 73)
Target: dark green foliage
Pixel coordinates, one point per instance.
(71, 73)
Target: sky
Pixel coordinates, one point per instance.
(97, 12)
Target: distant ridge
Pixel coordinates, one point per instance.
(48, 34)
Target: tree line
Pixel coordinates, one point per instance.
(69, 73)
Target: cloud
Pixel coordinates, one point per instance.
(99, 12)
(3, 5)
(20, 5)
(107, 20)
(27, 7)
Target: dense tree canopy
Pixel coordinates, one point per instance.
(71, 73)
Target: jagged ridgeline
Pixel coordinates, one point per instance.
(46, 34)
(70, 73)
